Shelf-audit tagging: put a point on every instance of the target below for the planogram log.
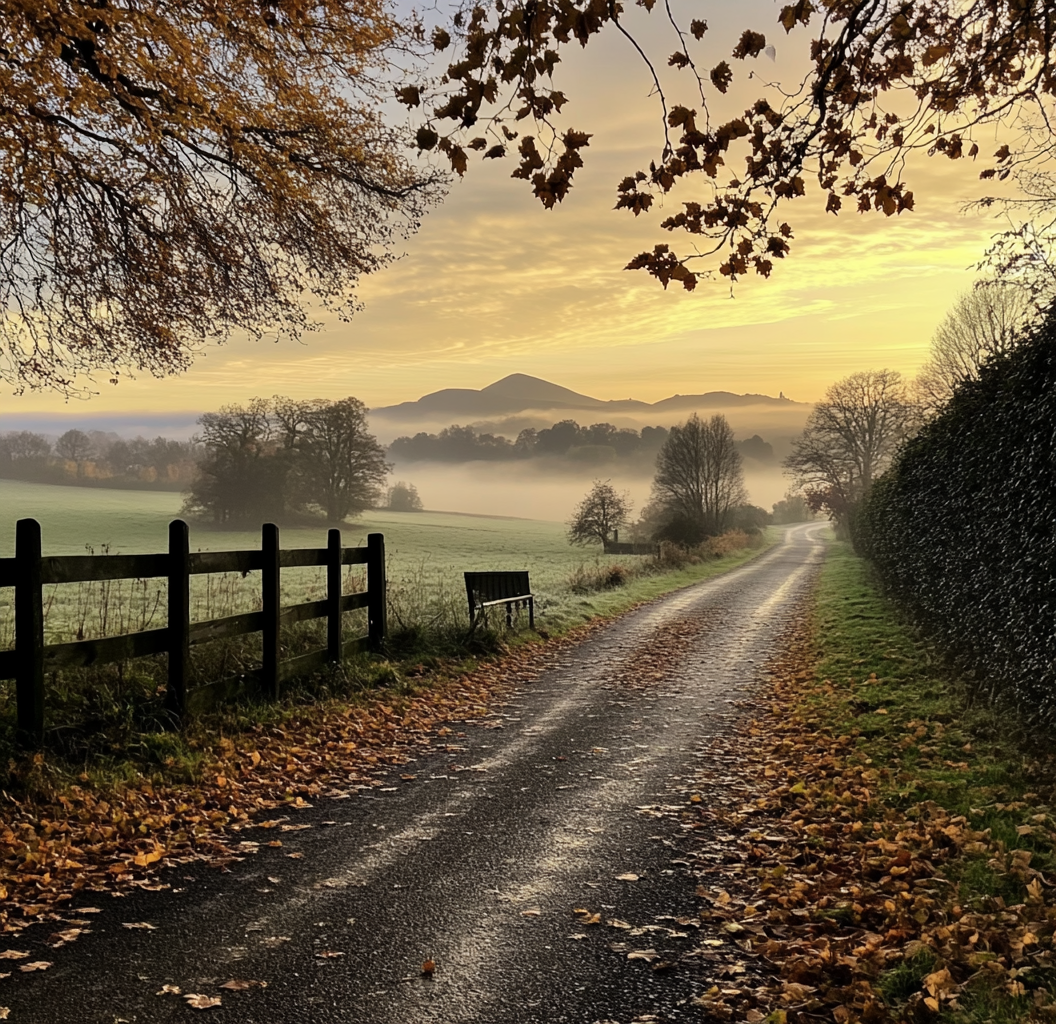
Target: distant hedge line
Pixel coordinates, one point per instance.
(962, 528)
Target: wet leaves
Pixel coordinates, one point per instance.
(88, 839)
(201, 1002)
(821, 878)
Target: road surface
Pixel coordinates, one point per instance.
(478, 864)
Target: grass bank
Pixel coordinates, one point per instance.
(985, 951)
(894, 853)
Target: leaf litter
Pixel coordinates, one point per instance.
(829, 894)
(83, 839)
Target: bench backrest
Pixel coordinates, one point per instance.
(496, 586)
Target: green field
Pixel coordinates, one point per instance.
(426, 555)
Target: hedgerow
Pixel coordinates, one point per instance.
(962, 528)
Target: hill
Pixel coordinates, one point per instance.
(519, 392)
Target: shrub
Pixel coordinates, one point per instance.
(961, 528)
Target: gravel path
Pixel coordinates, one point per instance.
(477, 863)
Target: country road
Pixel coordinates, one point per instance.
(477, 863)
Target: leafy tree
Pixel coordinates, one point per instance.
(24, 445)
(885, 78)
(243, 475)
(603, 511)
(989, 320)
(339, 466)
(850, 438)
(74, 445)
(792, 508)
(699, 480)
(176, 172)
(403, 497)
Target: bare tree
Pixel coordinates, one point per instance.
(599, 514)
(850, 438)
(699, 479)
(986, 321)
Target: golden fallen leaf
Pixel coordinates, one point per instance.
(36, 965)
(577, 936)
(13, 954)
(295, 856)
(168, 990)
(643, 954)
(630, 876)
(238, 985)
(141, 925)
(200, 1002)
(327, 954)
(534, 912)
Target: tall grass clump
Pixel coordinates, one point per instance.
(600, 576)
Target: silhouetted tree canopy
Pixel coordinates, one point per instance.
(986, 321)
(699, 482)
(175, 172)
(886, 78)
(270, 460)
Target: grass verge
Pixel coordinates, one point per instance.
(894, 840)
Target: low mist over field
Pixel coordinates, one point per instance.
(520, 447)
(524, 490)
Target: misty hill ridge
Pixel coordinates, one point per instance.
(519, 392)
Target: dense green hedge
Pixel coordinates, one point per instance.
(962, 528)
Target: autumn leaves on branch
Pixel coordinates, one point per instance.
(885, 79)
(178, 173)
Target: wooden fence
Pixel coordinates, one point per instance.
(31, 658)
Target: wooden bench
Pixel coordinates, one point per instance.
(487, 589)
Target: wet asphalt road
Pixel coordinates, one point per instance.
(477, 864)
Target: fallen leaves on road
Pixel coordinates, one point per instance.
(239, 985)
(168, 990)
(144, 926)
(36, 965)
(83, 839)
(200, 1002)
(429, 967)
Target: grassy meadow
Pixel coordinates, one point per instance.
(426, 555)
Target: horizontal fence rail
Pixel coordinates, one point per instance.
(31, 658)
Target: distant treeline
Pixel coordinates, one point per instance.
(598, 443)
(97, 458)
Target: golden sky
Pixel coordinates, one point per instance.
(493, 284)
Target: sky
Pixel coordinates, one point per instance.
(494, 284)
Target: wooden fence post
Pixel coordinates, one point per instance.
(29, 633)
(333, 594)
(377, 612)
(179, 618)
(271, 604)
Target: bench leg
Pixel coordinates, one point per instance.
(509, 614)
(531, 613)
